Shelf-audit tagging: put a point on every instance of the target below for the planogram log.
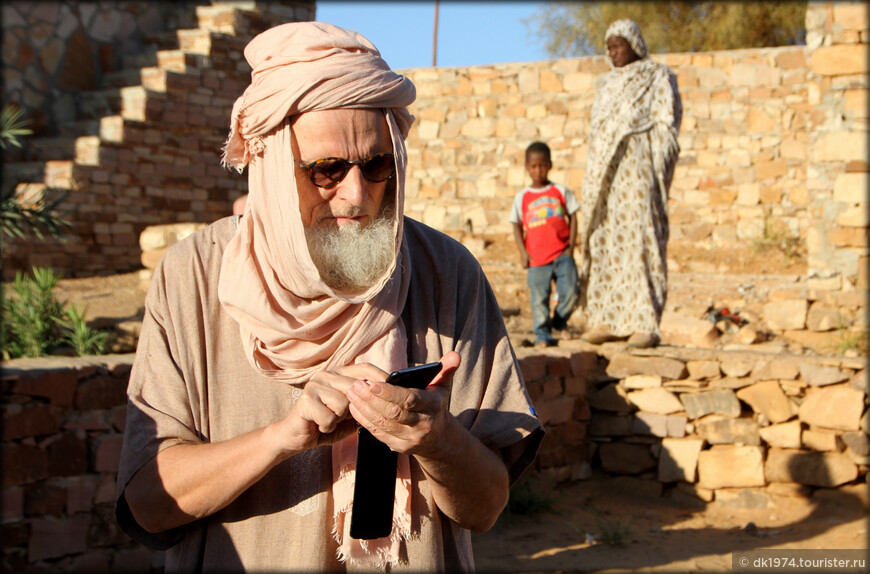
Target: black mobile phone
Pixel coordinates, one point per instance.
(374, 490)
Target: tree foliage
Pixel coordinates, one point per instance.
(18, 219)
(578, 28)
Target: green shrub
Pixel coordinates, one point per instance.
(35, 324)
(83, 339)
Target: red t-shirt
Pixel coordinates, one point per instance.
(546, 224)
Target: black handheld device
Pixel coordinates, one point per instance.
(374, 489)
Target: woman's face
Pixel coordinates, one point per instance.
(619, 51)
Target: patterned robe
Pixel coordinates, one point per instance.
(624, 228)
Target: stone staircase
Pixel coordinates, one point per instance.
(127, 161)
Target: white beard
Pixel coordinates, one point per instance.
(352, 258)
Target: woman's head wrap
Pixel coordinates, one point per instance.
(630, 31)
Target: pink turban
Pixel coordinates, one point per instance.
(308, 66)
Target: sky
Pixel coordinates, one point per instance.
(469, 33)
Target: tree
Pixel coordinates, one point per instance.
(17, 219)
(578, 28)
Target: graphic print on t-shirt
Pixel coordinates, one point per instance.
(542, 209)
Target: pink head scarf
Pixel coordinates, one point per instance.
(292, 324)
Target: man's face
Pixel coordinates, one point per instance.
(351, 134)
(620, 51)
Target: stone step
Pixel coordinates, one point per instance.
(125, 77)
(22, 172)
(195, 41)
(221, 16)
(162, 40)
(53, 173)
(49, 148)
(99, 103)
(88, 127)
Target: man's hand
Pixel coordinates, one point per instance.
(409, 421)
(320, 415)
(468, 481)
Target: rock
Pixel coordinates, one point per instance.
(835, 407)
(767, 398)
(658, 400)
(704, 494)
(659, 425)
(822, 318)
(53, 537)
(625, 458)
(820, 440)
(810, 468)
(157, 237)
(784, 435)
(790, 489)
(748, 335)
(780, 368)
(678, 329)
(678, 459)
(624, 365)
(581, 470)
(737, 367)
(731, 466)
(611, 397)
(858, 442)
(818, 375)
(477, 247)
(610, 425)
(788, 314)
(717, 429)
(743, 498)
(722, 402)
(701, 370)
(859, 381)
(642, 381)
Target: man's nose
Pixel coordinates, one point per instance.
(352, 188)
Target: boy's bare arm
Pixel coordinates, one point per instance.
(572, 237)
(520, 239)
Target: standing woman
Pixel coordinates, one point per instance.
(632, 151)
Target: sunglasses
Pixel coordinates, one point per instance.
(329, 171)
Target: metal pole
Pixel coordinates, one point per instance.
(435, 38)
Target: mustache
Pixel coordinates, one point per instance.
(350, 211)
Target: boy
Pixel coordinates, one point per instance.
(545, 229)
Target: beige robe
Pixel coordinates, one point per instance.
(633, 149)
(191, 383)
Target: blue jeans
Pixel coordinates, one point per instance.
(564, 270)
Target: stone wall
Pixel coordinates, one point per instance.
(774, 142)
(733, 428)
(729, 427)
(136, 145)
(63, 424)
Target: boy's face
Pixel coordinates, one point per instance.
(538, 167)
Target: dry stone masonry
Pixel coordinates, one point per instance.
(721, 426)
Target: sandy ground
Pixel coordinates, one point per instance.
(608, 524)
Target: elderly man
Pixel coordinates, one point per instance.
(268, 337)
